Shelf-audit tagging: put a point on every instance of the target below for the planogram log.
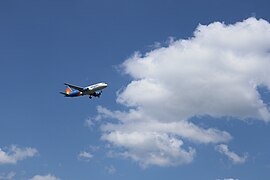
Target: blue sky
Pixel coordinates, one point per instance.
(134, 47)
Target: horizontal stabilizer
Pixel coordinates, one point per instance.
(63, 93)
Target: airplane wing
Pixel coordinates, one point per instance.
(75, 87)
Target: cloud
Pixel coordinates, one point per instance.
(208, 74)
(150, 148)
(110, 169)
(7, 176)
(215, 73)
(15, 154)
(133, 121)
(85, 156)
(89, 123)
(236, 159)
(45, 177)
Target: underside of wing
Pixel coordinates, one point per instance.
(75, 87)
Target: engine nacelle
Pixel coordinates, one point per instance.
(97, 94)
(86, 89)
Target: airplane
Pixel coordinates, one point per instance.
(93, 90)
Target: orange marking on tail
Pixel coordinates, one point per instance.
(68, 90)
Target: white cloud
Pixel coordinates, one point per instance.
(45, 177)
(85, 156)
(110, 169)
(7, 176)
(133, 121)
(214, 73)
(150, 148)
(88, 154)
(236, 159)
(15, 154)
(89, 123)
(208, 74)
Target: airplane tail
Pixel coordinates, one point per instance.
(68, 90)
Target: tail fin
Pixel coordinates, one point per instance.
(68, 90)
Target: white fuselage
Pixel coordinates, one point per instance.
(93, 88)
